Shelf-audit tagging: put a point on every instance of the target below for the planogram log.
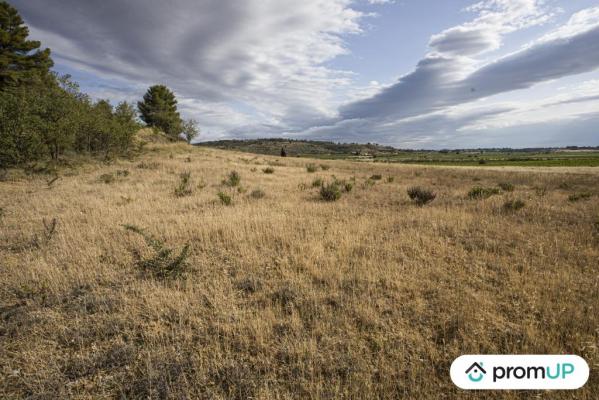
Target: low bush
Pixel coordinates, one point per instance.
(376, 177)
(233, 179)
(107, 178)
(318, 182)
(330, 192)
(311, 167)
(225, 198)
(479, 192)
(506, 186)
(148, 165)
(257, 194)
(513, 205)
(184, 186)
(348, 186)
(579, 196)
(268, 170)
(390, 179)
(421, 196)
(325, 167)
(164, 263)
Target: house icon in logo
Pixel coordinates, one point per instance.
(476, 372)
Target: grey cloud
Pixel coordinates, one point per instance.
(430, 87)
(265, 53)
(465, 41)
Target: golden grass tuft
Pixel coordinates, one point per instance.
(290, 296)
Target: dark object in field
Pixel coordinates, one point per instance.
(513, 205)
(330, 192)
(421, 196)
(283, 152)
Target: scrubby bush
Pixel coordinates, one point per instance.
(257, 194)
(311, 167)
(184, 186)
(579, 196)
(376, 177)
(421, 196)
(330, 192)
(479, 192)
(233, 179)
(164, 263)
(318, 182)
(513, 205)
(225, 198)
(148, 165)
(506, 186)
(107, 178)
(268, 170)
(348, 186)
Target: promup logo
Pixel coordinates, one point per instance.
(476, 372)
(519, 372)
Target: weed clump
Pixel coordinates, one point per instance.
(390, 179)
(148, 165)
(579, 196)
(325, 167)
(164, 263)
(311, 168)
(233, 179)
(184, 186)
(348, 186)
(318, 182)
(513, 205)
(421, 196)
(506, 186)
(479, 192)
(330, 192)
(122, 172)
(225, 199)
(269, 170)
(106, 178)
(257, 194)
(376, 177)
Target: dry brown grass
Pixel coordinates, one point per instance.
(288, 296)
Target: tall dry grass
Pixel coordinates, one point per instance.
(284, 295)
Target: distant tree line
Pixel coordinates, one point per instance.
(44, 115)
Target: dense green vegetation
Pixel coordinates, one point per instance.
(45, 116)
(568, 157)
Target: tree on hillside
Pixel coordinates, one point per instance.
(190, 130)
(20, 59)
(159, 109)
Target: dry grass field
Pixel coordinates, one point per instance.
(115, 285)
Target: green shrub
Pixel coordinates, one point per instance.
(225, 198)
(348, 186)
(482, 161)
(376, 177)
(257, 194)
(184, 186)
(318, 182)
(579, 196)
(233, 179)
(330, 192)
(148, 165)
(268, 170)
(513, 205)
(478, 192)
(311, 167)
(506, 186)
(107, 178)
(164, 263)
(421, 196)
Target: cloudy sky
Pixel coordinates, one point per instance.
(409, 73)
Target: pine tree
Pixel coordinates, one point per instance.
(20, 59)
(159, 109)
